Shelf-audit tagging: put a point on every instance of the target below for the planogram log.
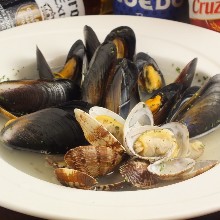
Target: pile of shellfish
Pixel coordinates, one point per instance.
(109, 111)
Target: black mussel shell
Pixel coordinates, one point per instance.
(48, 131)
(76, 61)
(125, 41)
(163, 100)
(184, 97)
(150, 78)
(91, 41)
(201, 112)
(71, 105)
(187, 74)
(43, 67)
(100, 68)
(120, 89)
(26, 96)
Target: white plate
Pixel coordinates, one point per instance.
(27, 183)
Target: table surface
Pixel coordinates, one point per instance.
(11, 215)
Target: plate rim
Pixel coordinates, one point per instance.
(62, 24)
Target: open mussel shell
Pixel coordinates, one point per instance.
(135, 171)
(93, 160)
(170, 169)
(151, 78)
(201, 112)
(95, 133)
(76, 61)
(27, 96)
(121, 88)
(91, 41)
(75, 178)
(186, 76)
(100, 69)
(185, 96)
(48, 131)
(72, 69)
(43, 67)
(162, 101)
(125, 40)
(110, 120)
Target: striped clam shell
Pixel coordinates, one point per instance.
(74, 178)
(93, 160)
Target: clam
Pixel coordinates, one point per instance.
(110, 120)
(151, 143)
(135, 172)
(144, 140)
(75, 178)
(140, 115)
(93, 160)
(170, 169)
(200, 167)
(111, 186)
(95, 133)
(180, 168)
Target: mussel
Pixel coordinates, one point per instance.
(121, 88)
(201, 112)
(125, 41)
(48, 131)
(150, 78)
(162, 100)
(75, 62)
(186, 76)
(91, 41)
(101, 67)
(26, 96)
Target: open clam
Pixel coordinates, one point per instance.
(110, 120)
(146, 141)
(95, 132)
